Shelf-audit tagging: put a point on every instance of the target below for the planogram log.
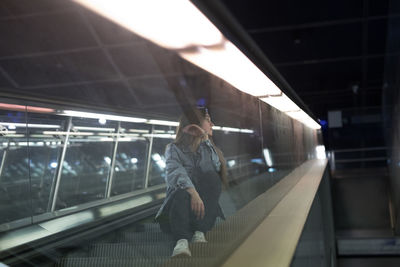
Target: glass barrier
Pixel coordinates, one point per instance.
(131, 158)
(162, 136)
(15, 201)
(87, 163)
(45, 147)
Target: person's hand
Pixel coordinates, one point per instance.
(194, 129)
(196, 203)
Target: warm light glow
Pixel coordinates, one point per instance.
(230, 64)
(25, 108)
(99, 116)
(282, 103)
(173, 24)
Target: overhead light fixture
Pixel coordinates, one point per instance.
(65, 133)
(281, 102)
(267, 156)
(230, 64)
(90, 115)
(138, 131)
(161, 122)
(29, 125)
(97, 129)
(173, 24)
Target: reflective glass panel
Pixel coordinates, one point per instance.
(87, 162)
(14, 169)
(45, 148)
(131, 158)
(162, 136)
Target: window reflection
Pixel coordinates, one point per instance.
(44, 151)
(162, 136)
(131, 158)
(87, 162)
(14, 169)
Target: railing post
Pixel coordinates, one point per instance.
(60, 167)
(148, 164)
(112, 164)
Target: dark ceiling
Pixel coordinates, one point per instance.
(332, 53)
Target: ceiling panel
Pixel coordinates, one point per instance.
(323, 77)
(27, 7)
(135, 60)
(61, 68)
(147, 89)
(314, 43)
(112, 94)
(43, 34)
(258, 14)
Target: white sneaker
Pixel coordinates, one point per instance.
(181, 248)
(199, 237)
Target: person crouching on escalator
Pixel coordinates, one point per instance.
(195, 173)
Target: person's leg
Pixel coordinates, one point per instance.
(209, 188)
(179, 216)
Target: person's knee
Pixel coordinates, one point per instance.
(181, 195)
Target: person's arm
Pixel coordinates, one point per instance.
(177, 176)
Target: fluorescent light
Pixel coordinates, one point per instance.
(167, 136)
(106, 139)
(14, 135)
(229, 129)
(90, 115)
(320, 152)
(267, 156)
(230, 64)
(282, 103)
(99, 129)
(138, 131)
(173, 24)
(65, 133)
(217, 128)
(29, 125)
(304, 118)
(246, 131)
(297, 115)
(160, 122)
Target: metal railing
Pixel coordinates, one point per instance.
(332, 156)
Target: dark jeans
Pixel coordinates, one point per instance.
(182, 222)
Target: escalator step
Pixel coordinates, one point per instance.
(151, 250)
(145, 237)
(124, 250)
(109, 262)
